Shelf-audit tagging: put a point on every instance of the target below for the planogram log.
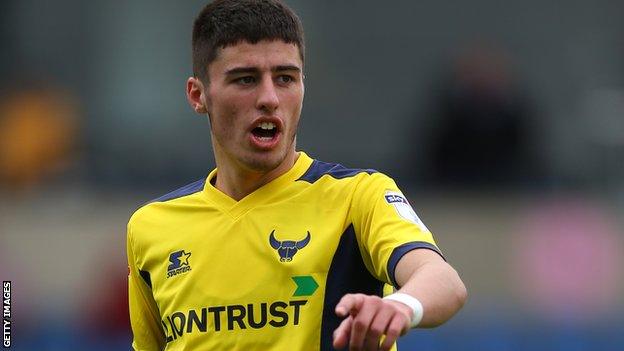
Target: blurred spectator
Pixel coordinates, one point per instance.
(38, 129)
(567, 258)
(481, 123)
(104, 317)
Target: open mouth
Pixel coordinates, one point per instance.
(265, 131)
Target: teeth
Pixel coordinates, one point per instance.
(267, 125)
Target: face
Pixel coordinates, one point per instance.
(253, 98)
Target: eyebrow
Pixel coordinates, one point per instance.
(239, 70)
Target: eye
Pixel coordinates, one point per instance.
(285, 79)
(246, 80)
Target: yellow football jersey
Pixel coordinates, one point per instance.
(266, 272)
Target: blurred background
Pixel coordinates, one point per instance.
(502, 121)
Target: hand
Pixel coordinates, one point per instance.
(368, 318)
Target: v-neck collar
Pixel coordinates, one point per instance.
(237, 208)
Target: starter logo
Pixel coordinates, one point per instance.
(178, 263)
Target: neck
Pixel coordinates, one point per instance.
(238, 182)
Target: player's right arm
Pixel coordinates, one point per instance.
(144, 316)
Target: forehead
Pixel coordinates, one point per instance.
(262, 55)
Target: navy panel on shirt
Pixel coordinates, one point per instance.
(347, 274)
(335, 170)
(146, 277)
(183, 191)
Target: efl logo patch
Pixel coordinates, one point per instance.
(178, 263)
(403, 208)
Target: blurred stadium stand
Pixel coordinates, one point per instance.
(94, 122)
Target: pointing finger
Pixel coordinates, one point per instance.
(349, 304)
(378, 328)
(342, 333)
(397, 327)
(361, 324)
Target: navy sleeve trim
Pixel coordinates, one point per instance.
(400, 251)
(183, 191)
(335, 170)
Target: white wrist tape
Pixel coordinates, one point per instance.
(411, 302)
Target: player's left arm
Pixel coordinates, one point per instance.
(422, 274)
(386, 226)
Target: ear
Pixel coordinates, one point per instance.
(195, 94)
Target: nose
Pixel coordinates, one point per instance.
(267, 100)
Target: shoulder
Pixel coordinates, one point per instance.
(348, 183)
(179, 195)
(186, 190)
(357, 179)
(319, 169)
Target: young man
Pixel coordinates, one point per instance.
(275, 250)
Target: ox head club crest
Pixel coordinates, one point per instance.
(287, 248)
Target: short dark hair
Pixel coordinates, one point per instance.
(228, 22)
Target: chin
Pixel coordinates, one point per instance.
(265, 163)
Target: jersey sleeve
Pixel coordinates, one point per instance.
(144, 315)
(386, 226)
